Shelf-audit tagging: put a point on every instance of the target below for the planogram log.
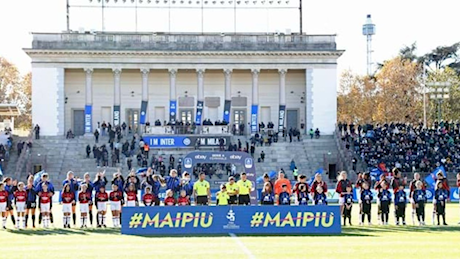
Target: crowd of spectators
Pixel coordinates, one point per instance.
(407, 147)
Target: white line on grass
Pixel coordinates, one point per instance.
(242, 246)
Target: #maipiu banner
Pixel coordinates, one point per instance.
(187, 220)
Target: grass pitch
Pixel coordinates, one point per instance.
(354, 242)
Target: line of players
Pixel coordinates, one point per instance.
(417, 198)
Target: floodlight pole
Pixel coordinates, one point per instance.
(135, 9)
(103, 19)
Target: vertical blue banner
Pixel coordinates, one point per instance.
(254, 112)
(282, 113)
(88, 119)
(172, 111)
(144, 106)
(227, 106)
(116, 115)
(199, 112)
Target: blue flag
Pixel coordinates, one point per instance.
(376, 172)
(141, 170)
(431, 179)
(38, 177)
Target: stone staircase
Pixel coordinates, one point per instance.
(58, 155)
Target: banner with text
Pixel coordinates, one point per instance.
(199, 112)
(231, 219)
(143, 116)
(254, 114)
(172, 111)
(88, 119)
(116, 115)
(184, 141)
(227, 107)
(281, 118)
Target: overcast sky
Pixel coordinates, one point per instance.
(398, 23)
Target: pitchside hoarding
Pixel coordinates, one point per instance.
(231, 219)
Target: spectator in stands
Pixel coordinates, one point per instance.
(262, 156)
(88, 151)
(37, 131)
(317, 133)
(96, 135)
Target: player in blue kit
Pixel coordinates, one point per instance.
(267, 197)
(366, 203)
(284, 197)
(320, 198)
(419, 197)
(385, 201)
(348, 200)
(400, 205)
(440, 197)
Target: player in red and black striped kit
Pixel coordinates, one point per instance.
(101, 202)
(3, 202)
(183, 199)
(68, 199)
(148, 199)
(341, 189)
(131, 196)
(84, 200)
(116, 201)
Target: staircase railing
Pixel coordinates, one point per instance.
(24, 157)
(344, 156)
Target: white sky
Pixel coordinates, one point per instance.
(398, 23)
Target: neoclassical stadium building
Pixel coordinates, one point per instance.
(81, 79)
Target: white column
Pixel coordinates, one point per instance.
(172, 84)
(89, 87)
(228, 83)
(200, 78)
(282, 73)
(117, 86)
(255, 86)
(145, 84)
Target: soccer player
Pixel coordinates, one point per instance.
(131, 196)
(3, 201)
(222, 196)
(89, 190)
(232, 190)
(348, 204)
(396, 182)
(267, 197)
(244, 190)
(156, 182)
(366, 203)
(148, 198)
(341, 189)
(201, 191)
(440, 198)
(68, 199)
(183, 199)
(116, 200)
(173, 182)
(362, 178)
(302, 193)
(318, 181)
(412, 188)
(20, 199)
(31, 203)
(285, 197)
(10, 187)
(279, 184)
(400, 205)
(45, 204)
(378, 188)
(320, 197)
(84, 200)
(419, 197)
(101, 203)
(170, 200)
(38, 189)
(73, 188)
(385, 201)
(187, 185)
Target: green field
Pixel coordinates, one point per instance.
(354, 242)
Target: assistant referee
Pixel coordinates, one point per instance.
(245, 188)
(201, 191)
